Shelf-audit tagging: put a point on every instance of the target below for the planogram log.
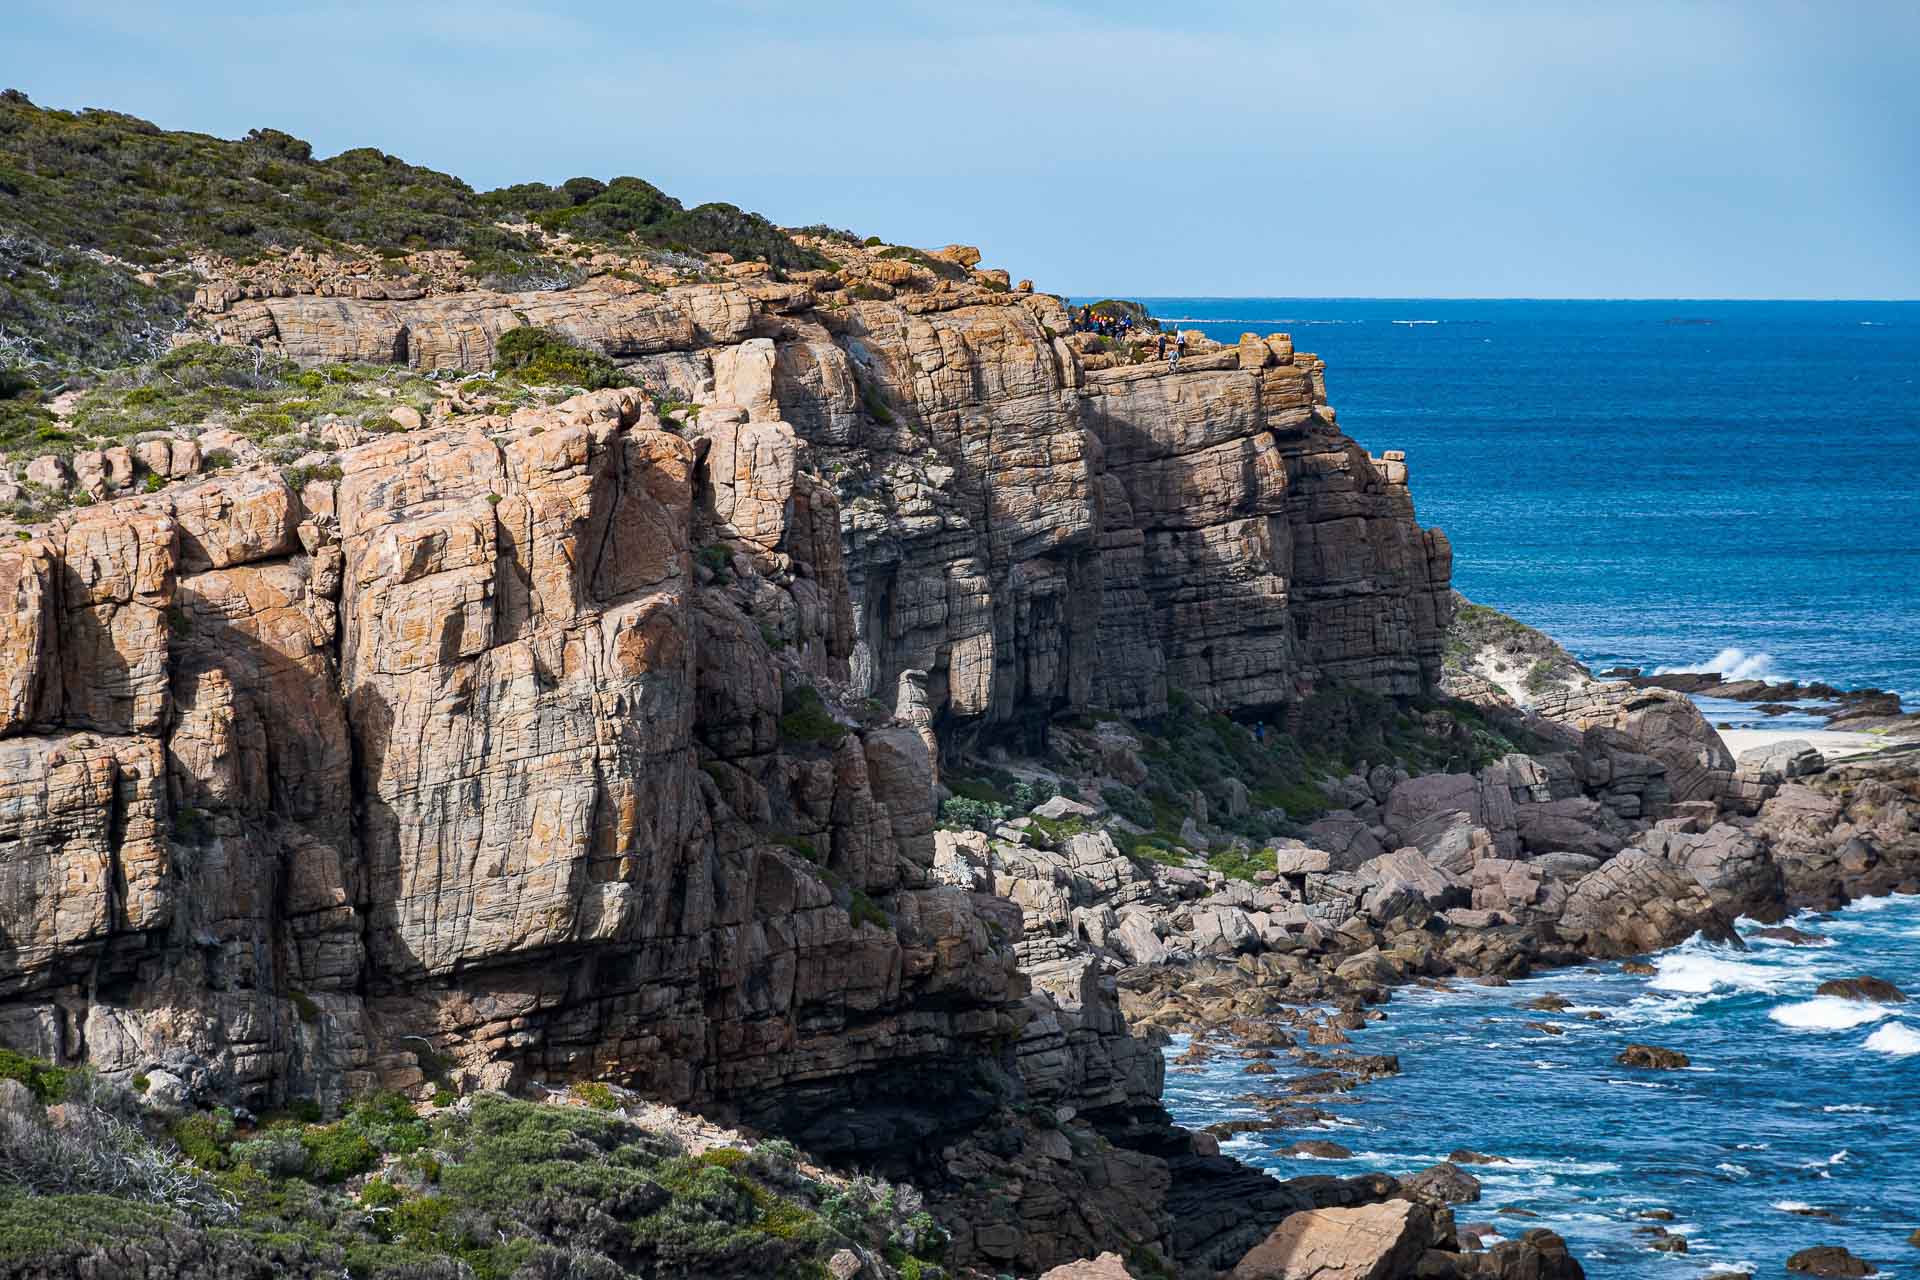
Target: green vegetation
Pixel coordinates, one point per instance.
(938, 266)
(596, 1095)
(964, 813)
(47, 1082)
(545, 358)
(1477, 629)
(1190, 750)
(864, 910)
(76, 184)
(1242, 864)
(488, 1190)
(273, 402)
(804, 718)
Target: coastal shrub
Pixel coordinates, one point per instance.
(1242, 864)
(1025, 795)
(804, 718)
(864, 910)
(596, 1095)
(967, 814)
(531, 354)
(337, 1152)
(277, 1152)
(204, 1136)
(47, 1082)
(1128, 803)
(718, 559)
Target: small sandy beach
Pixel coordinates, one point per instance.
(1831, 743)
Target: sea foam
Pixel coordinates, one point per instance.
(1699, 972)
(1827, 1013)
(1896, 1038)
(1731, 664)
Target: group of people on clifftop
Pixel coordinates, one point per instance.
(1168, 347)
(1087, 320)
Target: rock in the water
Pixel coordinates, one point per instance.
(1653, 1058)
(1864, 987)
(1788, 934)
(1464, 1156)
(1829, 1260)
(1319, 1149)
(1373, 1242)
(1537, 1255)
(1444, 1183)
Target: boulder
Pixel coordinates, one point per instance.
(1347, 840)
(1298, 860)
(1732, 865)
(1666, 724)
(1451, 841)
(1372, 1242)
(1537, 1255)
(1395, 883)
(1575, 824)
(1108, 1266)
(1059, 807)
(1638, 903)
(1780, 761)
(1444, 1183)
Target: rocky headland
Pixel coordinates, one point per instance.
(831, 697)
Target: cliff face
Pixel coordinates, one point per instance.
(1033, 525)
(486, 752)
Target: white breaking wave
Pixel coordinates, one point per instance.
(1734, 1170)
(1698, 972)
(1896, 1038)
(1732, 664)
(1827, 1013)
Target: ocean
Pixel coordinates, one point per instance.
(1691, 485)
(1794, 1126)
(1686, 485)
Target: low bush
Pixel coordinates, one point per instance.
(967, 814)
(544, 357)
(804, 718)
(47, 1082)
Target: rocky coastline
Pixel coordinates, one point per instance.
(840, 744)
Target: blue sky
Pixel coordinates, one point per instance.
(1681, 149)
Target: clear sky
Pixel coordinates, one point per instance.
(1607, 148)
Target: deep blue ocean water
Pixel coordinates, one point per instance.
(1681, 484)
(1793, 1102)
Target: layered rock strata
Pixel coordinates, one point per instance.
(1032, 521)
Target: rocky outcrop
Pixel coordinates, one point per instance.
(1636, 903)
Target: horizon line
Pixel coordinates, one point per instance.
(1454, 297)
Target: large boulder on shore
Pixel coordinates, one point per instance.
(1667, 725)
(1636, 903)
(1396, 883)
(1734, 867)
(1372, 1242)
(1538, 1255)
